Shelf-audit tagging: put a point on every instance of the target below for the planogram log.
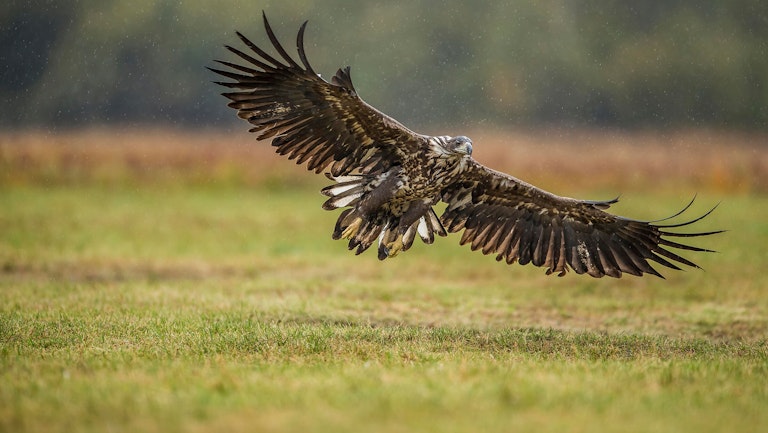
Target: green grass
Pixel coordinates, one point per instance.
(223, 308)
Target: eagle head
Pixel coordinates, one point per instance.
(461, 145)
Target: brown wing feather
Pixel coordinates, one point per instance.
(309, 119)
(521, 223)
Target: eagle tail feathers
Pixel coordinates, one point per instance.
(395, 238)
(391, 237)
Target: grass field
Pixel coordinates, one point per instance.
(166, 282)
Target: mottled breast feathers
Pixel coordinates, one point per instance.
(328, 127)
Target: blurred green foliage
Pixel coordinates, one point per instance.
(660, 63)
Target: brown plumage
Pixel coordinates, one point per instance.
(388, 178)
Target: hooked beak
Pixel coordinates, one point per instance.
(466, 147)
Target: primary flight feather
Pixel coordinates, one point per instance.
(388, 178)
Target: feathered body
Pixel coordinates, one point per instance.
(388, 178)
(395, 205)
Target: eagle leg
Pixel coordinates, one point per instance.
(352, 228)
(395, 247)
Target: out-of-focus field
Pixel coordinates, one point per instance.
(561, 160)
(170, 281)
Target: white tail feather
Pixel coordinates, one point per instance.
(381, 235)
(423, 229)
(437, 225)
(408, 237)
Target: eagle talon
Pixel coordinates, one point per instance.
(395, 247)
(352, 229)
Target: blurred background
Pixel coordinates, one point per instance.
(161, 270)
(661, 64)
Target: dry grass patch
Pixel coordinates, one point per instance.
(562, 160)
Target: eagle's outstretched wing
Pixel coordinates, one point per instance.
(313, 121)
(521, 223)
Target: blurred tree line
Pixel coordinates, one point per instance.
(656, 63)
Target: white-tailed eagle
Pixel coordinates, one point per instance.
(388, 178)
